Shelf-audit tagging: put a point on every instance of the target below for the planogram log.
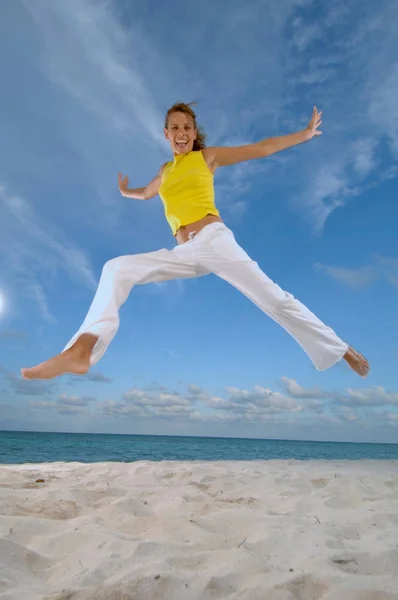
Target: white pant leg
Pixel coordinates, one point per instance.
(118, 277)
(218, 251)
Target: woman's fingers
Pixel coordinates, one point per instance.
(122, 181)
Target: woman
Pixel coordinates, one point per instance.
(204, 245)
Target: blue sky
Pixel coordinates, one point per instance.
(87, 85)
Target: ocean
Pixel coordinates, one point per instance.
(29, 447)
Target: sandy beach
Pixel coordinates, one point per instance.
(264, 530)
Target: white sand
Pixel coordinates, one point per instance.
(265, 530)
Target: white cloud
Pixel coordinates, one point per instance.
(67, 400)
(347, 414)
(172, 410)
(261, 398)
(243, 411)
(197, 393)
(70, 410)
(376, 396)
(241, 404)
(257, 404)
(42, 404)
(149, 398)
(316, 406)
(64, 405)
(296, 391)
(114, 408)
(146, 403)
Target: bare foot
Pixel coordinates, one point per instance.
(357, 362)
(75, 360)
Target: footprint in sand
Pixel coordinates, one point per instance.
(201, 486)
(320, 483)
(304, 587)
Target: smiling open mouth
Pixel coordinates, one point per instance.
(182, 144)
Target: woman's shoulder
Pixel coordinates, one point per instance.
(209, 157)
(162, 168)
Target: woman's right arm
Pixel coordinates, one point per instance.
(143, 193)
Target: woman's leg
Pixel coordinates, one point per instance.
(222, 255)
(99, 327)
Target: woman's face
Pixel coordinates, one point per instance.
(180, 132)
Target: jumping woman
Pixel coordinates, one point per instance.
(204, 244)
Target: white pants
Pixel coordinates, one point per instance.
(213, 250)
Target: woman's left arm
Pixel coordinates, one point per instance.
(223, 156)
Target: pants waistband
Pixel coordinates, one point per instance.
(206, 229)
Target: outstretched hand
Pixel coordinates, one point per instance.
(123, 183)
(313, 125)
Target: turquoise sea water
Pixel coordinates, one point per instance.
(30, 447)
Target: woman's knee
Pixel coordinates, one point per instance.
(112, 265)
(278, 298)
(121, 264)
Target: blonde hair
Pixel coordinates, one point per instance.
(200, 141)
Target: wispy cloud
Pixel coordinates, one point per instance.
(93, 376)
(390, 268)
(35, 290)
(383, 268)
(13, 335)
(364, 159)
(29, 388)
(360, 112)
(304, 34)
(87, 52)
(355, 278)
(64, 405)
(33, 252)
(383, 107)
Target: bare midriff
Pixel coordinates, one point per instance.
(184, 232)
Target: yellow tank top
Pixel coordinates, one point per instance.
(187, 190)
